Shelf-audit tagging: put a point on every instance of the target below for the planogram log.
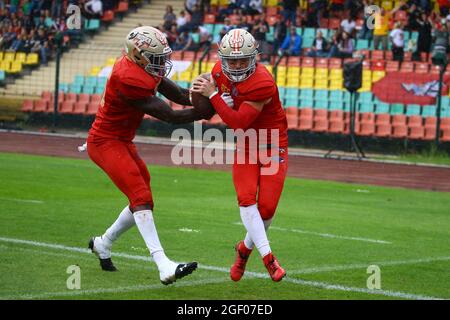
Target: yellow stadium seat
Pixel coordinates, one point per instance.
(4, 65)
(321, 73)
(9, 56)
(307, 71)
(377, 75)
(321, 84)
(306, 83)
(223, 3)
(214, 2)
(110, 62)
(336, 74)
(336, 85)
(387, 5)
(1, 55)
(185, 76)
(94, 71)
(21, 56)
(293, 82)
(15, 67)
(32, 59)
(294, 71)
(270, 69)
(272, 3)
(281, 80)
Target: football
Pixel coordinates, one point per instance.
(202, 104)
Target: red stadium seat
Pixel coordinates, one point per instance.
(383, 130)
(27, 105)
(400, 15)
(306, 119)
(108, 16)
(122, 7)
(399, 131)
(321, 63)
(421, 67)
(392, 66)
(445, 134)
(378, 65)
(335, 63)
(71, 97)
(389, 56)
(67, 107)
(407, 67)
(430, 128)
(80, 107)
(294, 61)
(96, 98)
(398, 120)
(324, 23)
(292, 117)
(377, 55)
(320, 114)
(46, 95)
(407, 56)
(416, 129)
(189, 56)
(320, 125)
(271, 11)
(445, 123)
(366, 129)
(84, 97)
(307, 62)
(210, 19)
(41, 106)
(334, 23)
(336, 126)
(383, 118)
(92, 108)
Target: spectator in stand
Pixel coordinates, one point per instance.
(425, 26)
(414, 13)
(169, 18)
(366, 32)
(290, 11)
(226, 27)
(337, 8)
(280, 30)
(41, 45)
(171, 35)
(201, 38)
(241, 23)
(292, 44)
(349, 26)
(259, 31)
(94, 9)
(196, 19)
(181, 20)
(18, 43)
(255, 7)
(8, 37)
(397, 38)
(381, 30)
(444, 6)
(189, 4)
(57, 7)
(342, 46)
(320, 46)
(183, 42)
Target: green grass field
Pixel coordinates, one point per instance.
(325, 234)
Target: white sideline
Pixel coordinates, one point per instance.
(71, 293)
(365, 265)
(322, 285)
(23, 200)
(326, 235)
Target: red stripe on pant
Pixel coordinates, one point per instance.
(121, 162)
(253, 187)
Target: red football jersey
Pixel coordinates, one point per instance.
(115, 118)
(258, 87)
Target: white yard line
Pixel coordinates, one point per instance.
(326, 235)
(316, 284)
(71, 293)
(22, 200)
(365, 265)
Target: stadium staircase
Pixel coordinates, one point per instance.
(91, 53)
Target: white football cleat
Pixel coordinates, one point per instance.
(103, 252)
(172, 271)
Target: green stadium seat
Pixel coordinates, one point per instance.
(270, 36)
(362, 44)
(336, 104)
(281, 92)
(397, 108)
(413, 110)
(336, 95)
(90, 81)
(365, 97)
(366, 107)
(88, 89)
(2, 75)
(321, 95)
(64, 87)
(320, 104)
(382, 107)
(75, 88)
(306, 94)
(307, 42)
(429, 111)
(309, 33)
(306, 103)
(209, 27)
(325, 33)
(101, 81)
(79, 80)
(291, 93)
(183, 84)
(99, 89)
(291, 102)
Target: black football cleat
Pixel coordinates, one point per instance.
(182, 270)
(105, 264)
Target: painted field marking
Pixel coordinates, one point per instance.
(322, 285)
(23, 200)
(365, 265)
(326, 235)
(71, 293)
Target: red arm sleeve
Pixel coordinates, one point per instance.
(241, 119)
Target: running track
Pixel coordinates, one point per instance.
(364, 172)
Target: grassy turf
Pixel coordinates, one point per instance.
(312, 230)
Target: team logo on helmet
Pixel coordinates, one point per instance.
(236, 43)
(161, 38)
(140, 40)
